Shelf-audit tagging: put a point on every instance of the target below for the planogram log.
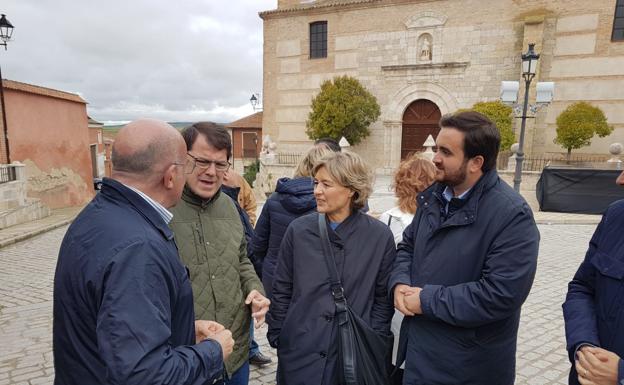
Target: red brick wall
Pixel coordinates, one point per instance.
(50, 135)
(95, 133)
(237, 141)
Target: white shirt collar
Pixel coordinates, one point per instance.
(166, 215)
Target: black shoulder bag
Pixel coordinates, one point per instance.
(363, 354)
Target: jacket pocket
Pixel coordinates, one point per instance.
(189, 241)
(609, 287)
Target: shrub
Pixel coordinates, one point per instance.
(343, 107)
(251, 171)
(578, 124)
(502, 115)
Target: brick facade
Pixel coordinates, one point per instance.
(473, 46)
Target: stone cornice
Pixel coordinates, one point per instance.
(316, 6)
(326, 5)
(424, 66)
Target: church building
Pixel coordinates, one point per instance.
(425, 58)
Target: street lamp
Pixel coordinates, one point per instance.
(255, 101)
(509, 94)
(6, 31)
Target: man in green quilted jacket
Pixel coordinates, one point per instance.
(211, 242)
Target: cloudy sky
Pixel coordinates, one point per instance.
(182, 60)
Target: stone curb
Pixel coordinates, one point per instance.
(570, 221)
(32, 233)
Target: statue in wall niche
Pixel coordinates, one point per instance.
(425, 50)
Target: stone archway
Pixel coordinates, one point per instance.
(420, 120)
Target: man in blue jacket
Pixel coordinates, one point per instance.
(594, 307)
(123, 304)
(465, 265)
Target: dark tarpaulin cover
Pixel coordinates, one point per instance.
(578, 190)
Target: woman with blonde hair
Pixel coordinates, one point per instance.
(293, 198)
(413, 176)
(302, 320)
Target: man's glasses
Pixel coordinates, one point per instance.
(204, 164)
(185, 164)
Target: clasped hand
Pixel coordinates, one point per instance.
(215, 331)
(407, 299)
(596, 366)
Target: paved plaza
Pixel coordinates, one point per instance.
(27, 270)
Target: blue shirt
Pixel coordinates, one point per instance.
(448, 195)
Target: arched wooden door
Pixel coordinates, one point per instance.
(420, 119)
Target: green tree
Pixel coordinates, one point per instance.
(343, 107)
(501, 115)
(578, 124)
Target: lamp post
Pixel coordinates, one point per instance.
(509, 94)
(255, 101)
(6, 31)
(529, 66)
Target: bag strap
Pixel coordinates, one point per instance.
(334, 280)
(345, 333)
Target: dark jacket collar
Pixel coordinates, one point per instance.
(195, 200)
(433, 197)
(345, 226)
(232, 192)
(116, 191)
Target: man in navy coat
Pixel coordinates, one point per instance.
(594, 307)
(465, 265)
(123, 303)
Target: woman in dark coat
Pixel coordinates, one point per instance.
(301, 319)
(292, 199)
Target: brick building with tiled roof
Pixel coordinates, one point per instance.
(246, 140)
(48, 132)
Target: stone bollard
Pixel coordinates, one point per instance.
(429, 144)
(616, 150)
(511, 164)
(344, 144)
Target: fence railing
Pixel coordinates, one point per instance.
(532, 162)
(537, 162)
(7, 173)
(289, 157)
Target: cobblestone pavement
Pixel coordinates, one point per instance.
(27, 269)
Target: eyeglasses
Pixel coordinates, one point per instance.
(204, 164)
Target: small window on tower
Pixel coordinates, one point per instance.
(318, 39)
(618, 22)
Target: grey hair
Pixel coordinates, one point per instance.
(350, 171)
